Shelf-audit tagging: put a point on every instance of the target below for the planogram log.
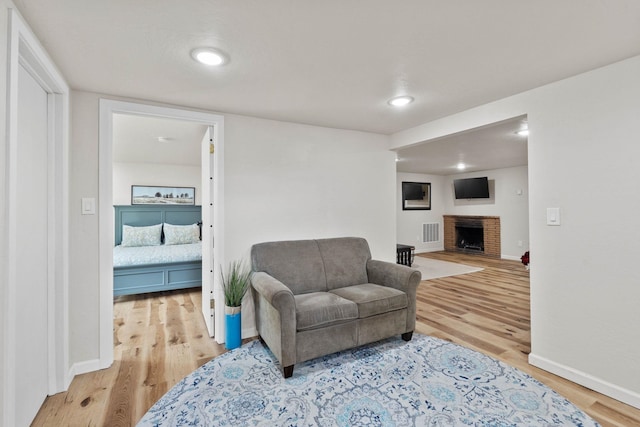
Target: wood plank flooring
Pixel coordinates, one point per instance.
(162, 338)
(489, 312)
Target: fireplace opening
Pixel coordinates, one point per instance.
(470, 236)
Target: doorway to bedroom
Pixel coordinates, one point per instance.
(178, 155)
(157, 190)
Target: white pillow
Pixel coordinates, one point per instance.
(181, 234)
(141, 236)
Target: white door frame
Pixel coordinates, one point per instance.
(25, 49)
(105, 201)
(207, 197)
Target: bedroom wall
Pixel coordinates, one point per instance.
(505, 202)
(126, 174)
(282, 181)
(409, 223)
(583, 159)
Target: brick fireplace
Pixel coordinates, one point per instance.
(472, 234)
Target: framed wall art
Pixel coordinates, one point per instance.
(154, 195)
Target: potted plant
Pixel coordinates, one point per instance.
(235, 285)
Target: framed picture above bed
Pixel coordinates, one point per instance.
(153, 195)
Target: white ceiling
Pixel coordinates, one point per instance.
(135, 140)
(331, 63)
(490, 147)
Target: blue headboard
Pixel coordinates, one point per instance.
(142, 215)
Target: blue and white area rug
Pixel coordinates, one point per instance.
(425, 382)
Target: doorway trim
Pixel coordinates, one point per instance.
(25, 49)
(108, 107)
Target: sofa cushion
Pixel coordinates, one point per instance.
(298, 264)
(345, 261)
(320, 309)
(373, 299)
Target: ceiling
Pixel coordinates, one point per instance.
(139, 139)
(495, 146)
(331, 63)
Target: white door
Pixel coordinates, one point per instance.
(208, 264)
(32, 257)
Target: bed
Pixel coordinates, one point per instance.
(139, 268)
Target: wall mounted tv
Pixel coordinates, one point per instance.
(471, 188)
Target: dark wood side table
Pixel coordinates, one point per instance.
(405, 254)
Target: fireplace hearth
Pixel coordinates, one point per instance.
(472, 234)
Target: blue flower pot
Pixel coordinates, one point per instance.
(233, 328)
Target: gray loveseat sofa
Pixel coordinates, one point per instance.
(317, 297)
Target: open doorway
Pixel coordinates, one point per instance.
(495, 151)
(157, 185)
(211, 198)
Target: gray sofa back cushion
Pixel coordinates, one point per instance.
(345, 261)
(298, 264)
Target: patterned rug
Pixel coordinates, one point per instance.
(425, 382)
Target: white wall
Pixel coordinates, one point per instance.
(583, 156)
(84, 302)
(290, 181)
(127, 174)
(409, 222)
(287, 181)
(4, 31)
(505, 202)
(282, 181)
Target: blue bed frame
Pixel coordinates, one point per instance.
(133, 280)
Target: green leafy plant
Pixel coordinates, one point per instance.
(236, 283)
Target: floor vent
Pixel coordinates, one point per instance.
(430, 232)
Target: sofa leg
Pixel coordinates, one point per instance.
(288, 371)
(407, 336)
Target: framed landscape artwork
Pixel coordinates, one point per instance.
(148, 195)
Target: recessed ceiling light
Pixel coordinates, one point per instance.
(401, 101)
(209, 56)
(165, 139)
(461, 166)
(523, 132)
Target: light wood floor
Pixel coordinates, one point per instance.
(161, 339)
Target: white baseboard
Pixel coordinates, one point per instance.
(249, 332)
(510, 257)
(82, 368)
(616, 392)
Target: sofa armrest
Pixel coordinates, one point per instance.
(273, 291)
(393, 275)
(275, 316)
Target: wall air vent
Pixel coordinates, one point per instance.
(430, 232)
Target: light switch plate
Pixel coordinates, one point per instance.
(88, 206)
(553, 216)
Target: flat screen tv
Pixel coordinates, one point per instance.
(471, 188)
